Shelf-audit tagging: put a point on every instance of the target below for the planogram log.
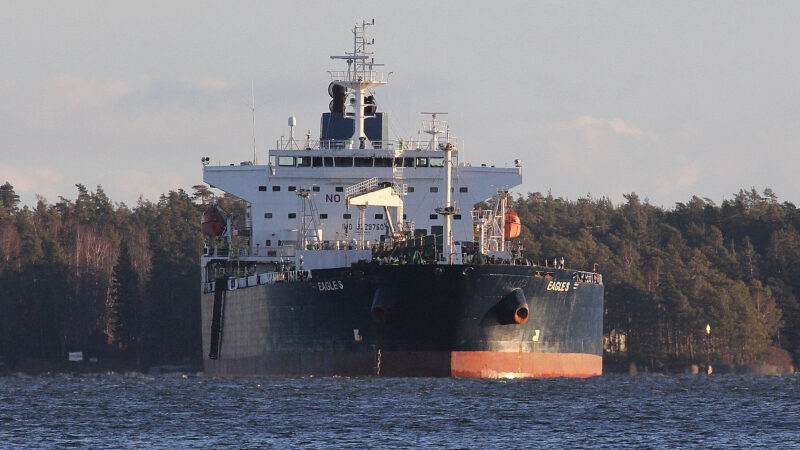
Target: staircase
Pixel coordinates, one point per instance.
(361, 187)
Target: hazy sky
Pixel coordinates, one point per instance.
(667, 99)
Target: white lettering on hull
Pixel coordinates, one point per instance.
(335, 285)
(561, 286)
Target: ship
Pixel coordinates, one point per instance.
(354, 257)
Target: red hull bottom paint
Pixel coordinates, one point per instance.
(525, 365)
(481, 364)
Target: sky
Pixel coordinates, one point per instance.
(665, 99)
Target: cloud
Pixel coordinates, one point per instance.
(617, 126)
(686, 175)
(72, 91)
(210, 83)
(31, 180)
(588, 136)
(147, 184)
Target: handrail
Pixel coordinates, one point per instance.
(370, 76)
(389, 146)
(587, 277)
(361, 187)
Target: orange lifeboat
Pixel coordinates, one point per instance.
(213, 222)
(513, 225)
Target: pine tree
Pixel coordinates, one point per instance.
(124, 304)
(8, 198)
(202, 193)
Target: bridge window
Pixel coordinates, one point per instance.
(363, 162)
(422, 162)
(316, 161)
(343, 161)
(304, 161)
(437, 162)
(286, 160)
(404, 162)
(383, 162)
(328, 161)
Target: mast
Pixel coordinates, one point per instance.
(309, 229)
(359, 77)
(449, 208)
(448, 234)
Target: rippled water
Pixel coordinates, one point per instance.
(177, 411)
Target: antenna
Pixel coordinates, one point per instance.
(253, 109)
(434, 130)
(292, 122)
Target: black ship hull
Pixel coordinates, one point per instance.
(409, 320)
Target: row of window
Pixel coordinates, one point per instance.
(341, 189)
(357, 161)
(289, 188)
(348, 216)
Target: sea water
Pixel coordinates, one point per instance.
(181, 410)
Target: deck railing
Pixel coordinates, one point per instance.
(240, 280)
(587, 277)
(389, 146)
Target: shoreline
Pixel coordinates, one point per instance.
(756, 369)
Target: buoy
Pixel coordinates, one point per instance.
(513, 225)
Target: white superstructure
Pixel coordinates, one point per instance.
(298, 201)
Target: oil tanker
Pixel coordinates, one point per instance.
(355, 259)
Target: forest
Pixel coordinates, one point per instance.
(699, 282)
